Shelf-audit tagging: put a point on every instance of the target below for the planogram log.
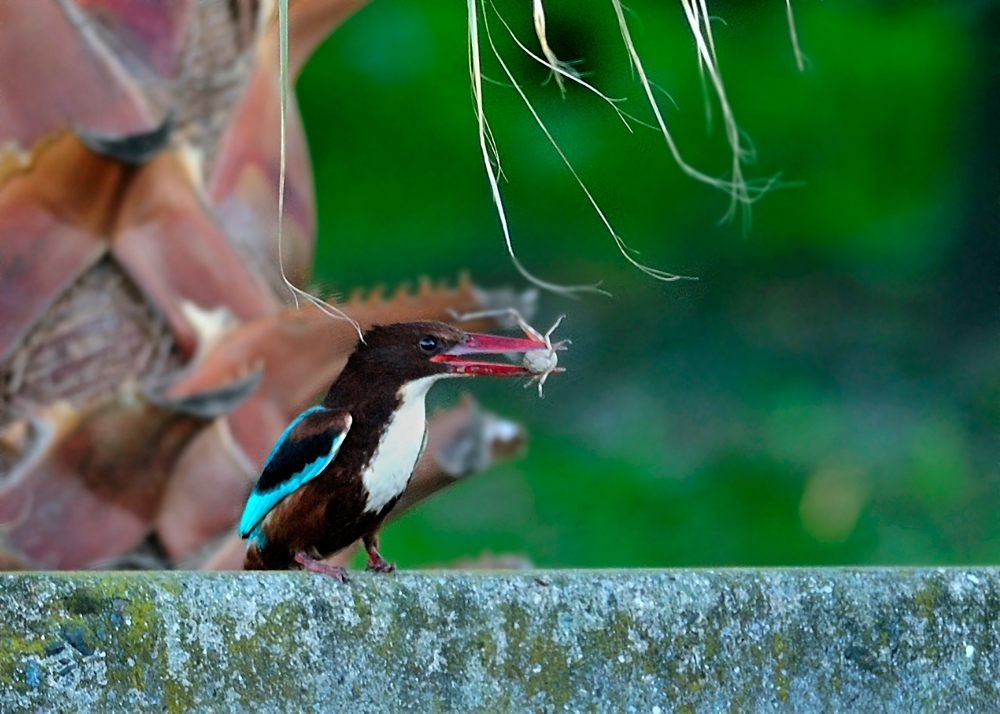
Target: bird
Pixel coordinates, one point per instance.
(338, 469)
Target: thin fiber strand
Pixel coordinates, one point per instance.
(296, 292)
(740, 192)
(475, 71)
(557, 66)
(800, 59)
(572, 76)
(622, 247)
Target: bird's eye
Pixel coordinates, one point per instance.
(428, 344)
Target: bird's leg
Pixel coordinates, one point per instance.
(318, 566)
(375, 560)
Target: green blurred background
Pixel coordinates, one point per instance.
(825, 393)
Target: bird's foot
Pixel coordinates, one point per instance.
(318, 566)
(377, 563)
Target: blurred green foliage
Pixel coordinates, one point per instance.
(825, 393)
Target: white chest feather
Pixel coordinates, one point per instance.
(390, 467)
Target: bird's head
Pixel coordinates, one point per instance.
(413, 350)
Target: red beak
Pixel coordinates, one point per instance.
(487, 344)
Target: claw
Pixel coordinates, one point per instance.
(318, 566)
(378, 564)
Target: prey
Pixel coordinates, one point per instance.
(539, 363)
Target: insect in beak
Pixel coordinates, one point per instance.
(475, 343)
(538, 364)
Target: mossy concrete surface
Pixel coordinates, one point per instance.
(586, 641)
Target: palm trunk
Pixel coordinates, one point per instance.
(147, 353)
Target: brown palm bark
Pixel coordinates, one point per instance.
(148, 356)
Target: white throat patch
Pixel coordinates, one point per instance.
(392, 464)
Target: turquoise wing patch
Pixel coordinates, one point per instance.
(301, 453)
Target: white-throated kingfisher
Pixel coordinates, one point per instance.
(339, 468)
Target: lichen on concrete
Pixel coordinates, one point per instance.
(822, 640)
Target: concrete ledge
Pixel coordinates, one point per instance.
(592, 641)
